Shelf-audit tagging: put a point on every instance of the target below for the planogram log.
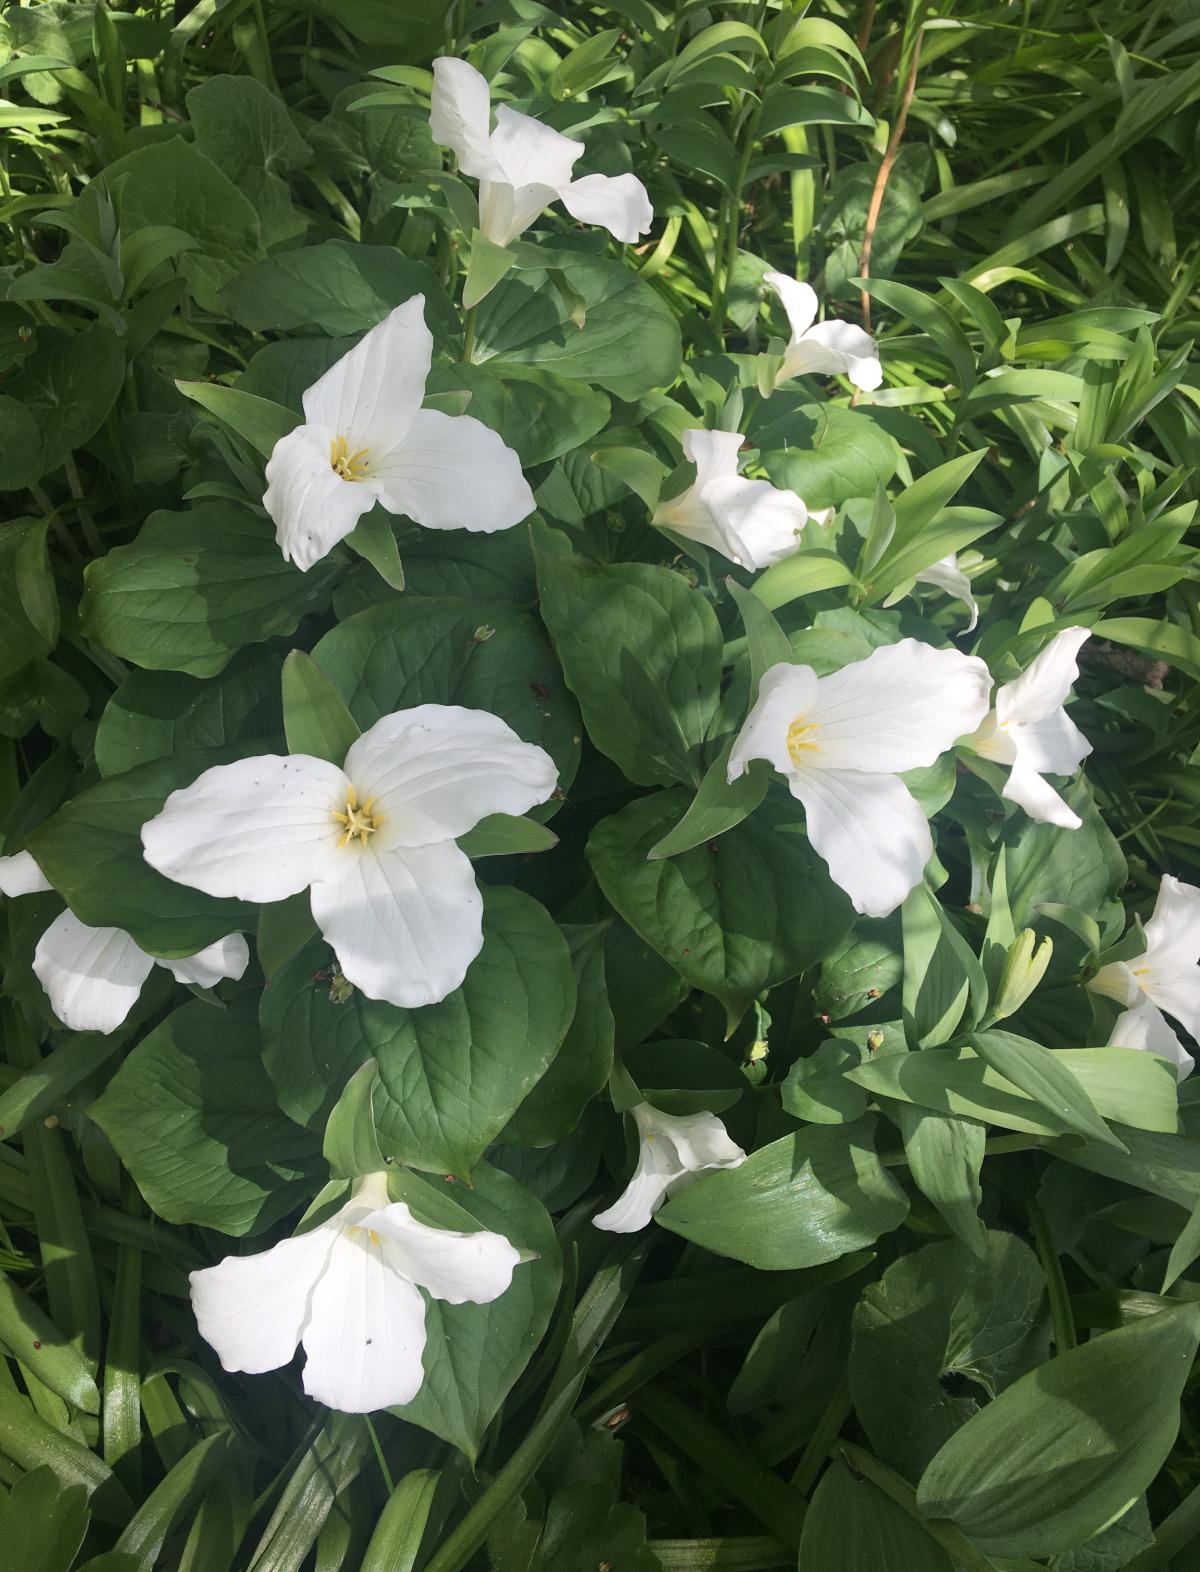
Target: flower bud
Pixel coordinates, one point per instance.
(1024, 968)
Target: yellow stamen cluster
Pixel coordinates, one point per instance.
(801, 742)
(350, 466)
(359, 820)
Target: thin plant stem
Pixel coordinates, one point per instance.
(884, 174)
(1056, 1283)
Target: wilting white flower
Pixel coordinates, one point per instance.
(348, 1290)
(1030, 730)
(93, 976)
(673, 1151)
(828, 347)
(366, 439)
(1165, 978)
(842, 741)
(522, 166)
(749, 521)
(373, 840)
(947, 576)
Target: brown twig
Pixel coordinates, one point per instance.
(881, 179)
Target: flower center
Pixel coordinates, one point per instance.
(801, 740)
(359, 820)
(370, 1232)
(1142, 974)
(350, 466)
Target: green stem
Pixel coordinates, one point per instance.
(469, 334)
(379, 1457)
(1056, 1283)
(824, 1434)
(730, 213)
(951, 1539)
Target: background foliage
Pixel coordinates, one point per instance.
(942, 1318)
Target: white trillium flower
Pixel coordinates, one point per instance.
(842, 741)
(1030, 730)
(827, 348)
(751, 522)
(366, 439)
(522, 166)
(673, 1151)
(373, 840)
(947, 576)
(93, 976)
(1166, 978)
(348, 1290)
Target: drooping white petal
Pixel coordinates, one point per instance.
(1177, 992)
(365, 1333)
(799, 301)
(638, 1201)
(435, 770)
(699, 1139)
(1173, 932)
(673, 1151)
(1033, 792)
(947, 576)
(835, 347)
(1053, 745)
(759, 523)
(783, 693)
(405, 923)
(228, 957)
(458, 1268)
(1116, 981)
(688, 515)
(92, 976)
(618, 203)
(261, 829)
(252, 1308)
(899, 709)
(372, 393)
(507, 211)
(530, 153)
(453, 472)
(870, 831)
(311, 505)
(460, 117)
(1145, 1027)
(1044, 685)
(20, 875)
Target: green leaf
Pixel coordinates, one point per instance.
(916, 543)
(248, 132)
(335, 288)
(505, 835)
(733, 917)
(642, 654)
(218, 1152)
(68, 385)
(260, 421)
(718, 805)
(43, 1522)
(196, 586)
(1037, 1073)
(474, 1353)
(808, 1198)
(804, 573)
(945, 1156)
(91, 851)
(373, 539)
(486, 266)
(824, 454)
(21, 461)
(28, 1334)
(28, 601)
(351, 1145)
(941, 972)
(852, 1523)
(816, 1089)
(1069, 1446)
(396, 1539)
(31, 1443)
(452, 1074)
(766, 642)
(940, 1313)
(315, 718)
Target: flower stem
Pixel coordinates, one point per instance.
(1056, 1283)
(902, 1493)
(469, 334)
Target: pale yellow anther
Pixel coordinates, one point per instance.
(801, 741)
(359, 820)
(350, 466)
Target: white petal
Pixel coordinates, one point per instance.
(371, 394)
(784, 693)
(1178, 993)
(507, 211)
(1173, 932)
(260, 829)
(870, 831)
(453, 472)
(530, 153)
(366, 1329)
(228, 957)
(947, 576)
(460, 117)
(437, 769)
(833, 347)
(1045, 683)
(899, 709)
(20, 875)
(688, 516)
(252, 1308)
(714, 453)
(760, 523)
(700, 1140)
(799, 301)
(458, 1268)
(1144, 1027)
(1116, 981)
(637, 1202)
(1033, 792)
(618, 203)
(92, 976)
(311, 505)
(1053, 745)
(405, 924)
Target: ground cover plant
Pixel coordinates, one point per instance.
(599, 665)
